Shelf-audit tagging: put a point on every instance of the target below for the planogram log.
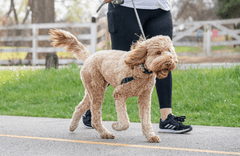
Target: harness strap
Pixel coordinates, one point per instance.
(145, 70)
(128, 79)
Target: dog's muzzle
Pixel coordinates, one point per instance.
(163, 65)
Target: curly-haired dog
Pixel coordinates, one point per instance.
(146, 60)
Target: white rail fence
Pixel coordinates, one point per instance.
(102, 35)
(221, 25)
(34, 38)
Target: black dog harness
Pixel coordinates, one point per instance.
(128, 79)
(144, 69)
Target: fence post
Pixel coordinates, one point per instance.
(207, 39)
(34, 45)
(93, 35)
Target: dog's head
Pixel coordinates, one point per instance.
(157, 54)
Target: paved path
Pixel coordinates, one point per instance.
(30, 136)
(181, 66)
(185, 66)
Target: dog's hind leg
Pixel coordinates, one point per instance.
(144, 103)
(83, 106)
(96, 90)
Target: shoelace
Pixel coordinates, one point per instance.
(180, 118)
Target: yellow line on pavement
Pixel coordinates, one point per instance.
(124, 145)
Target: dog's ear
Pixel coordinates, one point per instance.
(137, 56)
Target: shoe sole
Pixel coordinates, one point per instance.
(86, 126)
(174, 131)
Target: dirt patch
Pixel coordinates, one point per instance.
(216, 59)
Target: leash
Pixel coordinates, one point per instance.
(139, 22)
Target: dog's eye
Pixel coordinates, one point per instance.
(158, 53)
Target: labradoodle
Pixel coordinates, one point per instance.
(147, 60)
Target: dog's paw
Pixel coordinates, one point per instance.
(120, 127)
(107, 136)
(154, 139)
(72, 127)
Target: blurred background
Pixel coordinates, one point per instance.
(204, 30)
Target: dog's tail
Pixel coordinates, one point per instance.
(62, 38)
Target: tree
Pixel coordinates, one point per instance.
(77, 10)
(195, 10)
(227, 9)
(28, 9)
(17, 12)
(42, 12)
(12, 8)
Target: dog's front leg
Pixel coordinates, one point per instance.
(123, 120)
(144, 103)
(97, 119)
(120, 103)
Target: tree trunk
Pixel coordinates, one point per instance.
(42, 12)
(51, 61)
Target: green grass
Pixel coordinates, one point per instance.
(182, 49)
(206, 97)
(225, 48)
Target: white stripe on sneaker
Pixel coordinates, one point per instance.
(170, 126)
(166, 125)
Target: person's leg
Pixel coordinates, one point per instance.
(164, 92)
(161, 24)
(124, 29)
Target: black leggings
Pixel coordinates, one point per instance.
(124, 30)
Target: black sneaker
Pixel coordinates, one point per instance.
(86, 119)
(174, 124)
